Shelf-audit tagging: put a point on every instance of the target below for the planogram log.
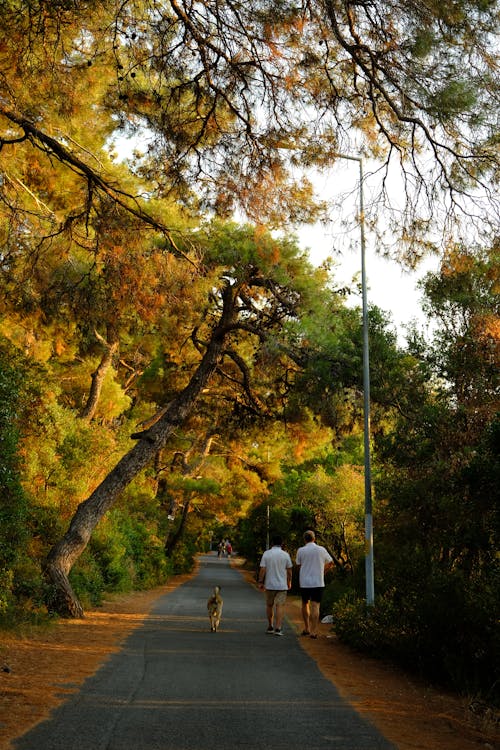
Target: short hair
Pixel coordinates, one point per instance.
(309, 536)
(276, 539)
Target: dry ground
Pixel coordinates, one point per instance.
(46, 667)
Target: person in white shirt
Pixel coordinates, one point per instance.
(275, 576)
(312, 561)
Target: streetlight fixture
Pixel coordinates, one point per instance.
(369, 573)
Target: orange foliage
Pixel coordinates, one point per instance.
(487, 332)
(59, 346)
(457, 262)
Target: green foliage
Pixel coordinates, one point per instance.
(59, 466)
(444, 626)
(14, 505)
(438, 528)
(124, 554)
(143, 549)
(87, 579)
(454, 98)
(182, 557)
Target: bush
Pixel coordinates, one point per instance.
(144, 551)
(447, 632)
(183, 556)
(379, 630)
(123, 555)
(339, 588)
(87, 580)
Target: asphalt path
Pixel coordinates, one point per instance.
(175, 685)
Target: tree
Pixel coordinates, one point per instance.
(449, 407)
(438, 484)
(463, 298)
(14, 506)
(247, 307)
(64, 554)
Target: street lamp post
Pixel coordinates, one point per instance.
(369, 574)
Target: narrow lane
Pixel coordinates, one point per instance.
(176, 686)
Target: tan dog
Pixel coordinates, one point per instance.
(214, 606)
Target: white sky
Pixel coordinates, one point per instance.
(388, 286)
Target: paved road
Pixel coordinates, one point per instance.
(177, 686)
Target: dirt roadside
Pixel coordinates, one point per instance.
(409, 712)
(44, 668)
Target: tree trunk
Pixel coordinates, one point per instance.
(173, 539)
(98, 376)
(66, 552)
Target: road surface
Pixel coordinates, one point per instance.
(174, 685)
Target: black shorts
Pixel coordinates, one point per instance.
(312, 595)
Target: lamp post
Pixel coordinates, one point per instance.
(369, 574)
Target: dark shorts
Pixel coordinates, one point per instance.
(312, 595)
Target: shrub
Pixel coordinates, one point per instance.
(144, 551)
(124, 554)
(13, 500)
(87, 580)
(447, 631)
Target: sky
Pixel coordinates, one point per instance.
(389, 286)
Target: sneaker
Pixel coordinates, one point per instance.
(278, 631)
(270, 629)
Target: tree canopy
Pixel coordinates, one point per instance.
(227, 104)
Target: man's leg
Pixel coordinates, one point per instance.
(279, 611)
(305, 616)
(314, 618)
(269, 613)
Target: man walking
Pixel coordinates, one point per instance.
(312, 561)
(275, 576)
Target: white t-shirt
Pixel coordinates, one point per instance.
(276, 562)
(312, 559)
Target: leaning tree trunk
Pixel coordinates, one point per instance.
(65, 553)
(98, 376)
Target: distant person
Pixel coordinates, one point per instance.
(312, 561)
(275, 576)
(229, 548)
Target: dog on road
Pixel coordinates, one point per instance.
(214, 606)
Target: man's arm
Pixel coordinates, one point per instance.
(262, 575)
(328, 561)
